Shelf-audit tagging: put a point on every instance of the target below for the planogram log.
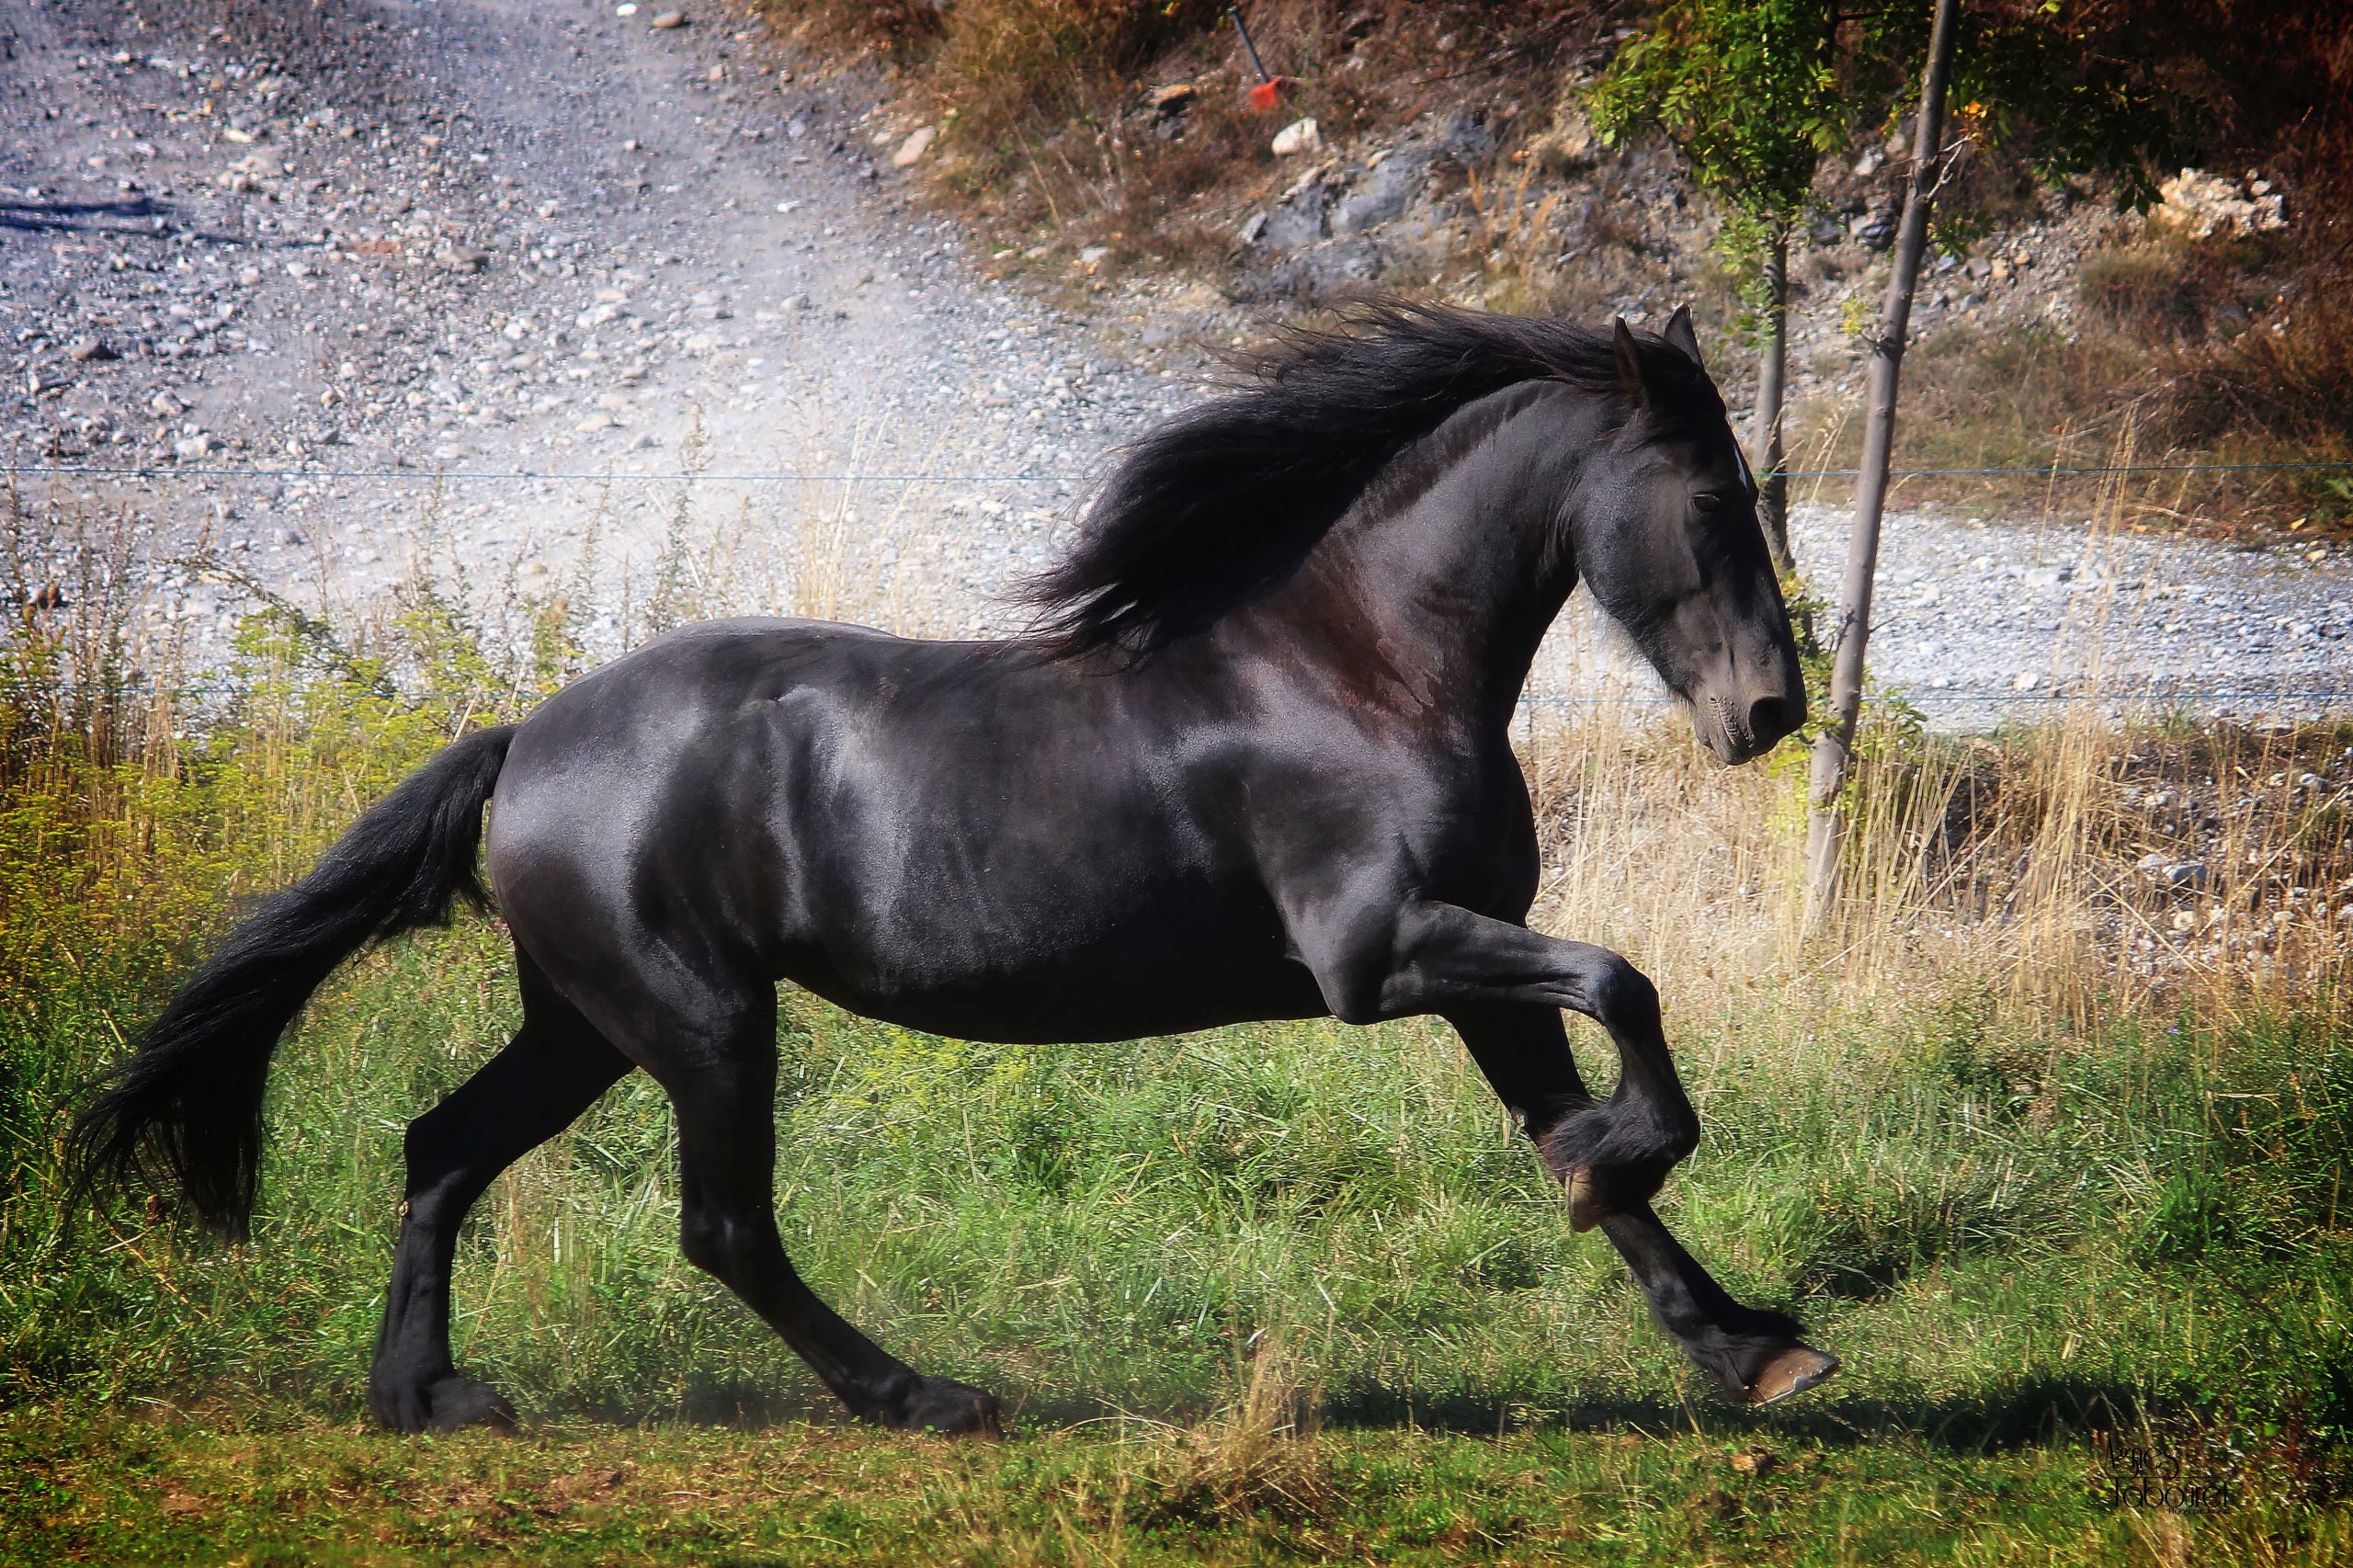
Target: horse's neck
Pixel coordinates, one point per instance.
(1440, 601)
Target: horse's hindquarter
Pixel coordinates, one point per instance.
(970, 843)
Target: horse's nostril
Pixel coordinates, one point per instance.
(1770, 718)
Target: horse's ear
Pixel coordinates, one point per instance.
(1630, 367)
(1678, 332)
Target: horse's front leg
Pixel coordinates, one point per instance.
(1613, 1155)
(1753, 1354)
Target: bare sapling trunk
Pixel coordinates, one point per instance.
(1772, 376)
(1833, 747)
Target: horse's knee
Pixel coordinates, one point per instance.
(715, 1241)
(1621, 996)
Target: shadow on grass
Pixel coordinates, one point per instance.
(2018, 1414)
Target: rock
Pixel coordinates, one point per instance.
(1299, 219)
(2196, 205)
(1299, 136)
(669, 20)
(189, 448)
(1754, 1461)
(1172, 99)
(1870, 163)
(1465, 137)
(1252, 227)
(89, 350)
(1876, 229)
(912, 150)
(463, 259)
(2187, 874)
(1384, 191)
(1090, 257)
(166, 405)
(1570, 145)
(1339, 265)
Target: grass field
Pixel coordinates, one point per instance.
(2051, 1150)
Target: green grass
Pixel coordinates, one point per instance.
(1270, 1293)
(1107, 1229)
(116, 1490)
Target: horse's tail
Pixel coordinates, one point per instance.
(187, 1105)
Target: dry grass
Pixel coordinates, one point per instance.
(2012, 865)
(1049, 136)
(2220, 353)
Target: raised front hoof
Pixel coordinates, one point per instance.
(445, 1403)
(939, 1405)
(1788, 1373)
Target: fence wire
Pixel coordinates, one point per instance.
(2153, 697)
(416, 475)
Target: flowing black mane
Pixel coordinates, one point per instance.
(1224, 498)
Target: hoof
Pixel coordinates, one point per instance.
(1792, 1372)
(1584, 1200)
(940, 1405)
(447, 1404)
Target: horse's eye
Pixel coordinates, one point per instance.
(1708, 502)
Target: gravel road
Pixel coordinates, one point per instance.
(294, 263)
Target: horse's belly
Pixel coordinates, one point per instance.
(1024, 972)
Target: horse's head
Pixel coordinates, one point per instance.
(1665, 536)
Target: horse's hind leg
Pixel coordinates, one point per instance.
(719, 1067)
(1753, 1354)
(552, 1071)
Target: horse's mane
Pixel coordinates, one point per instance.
(1223, 499)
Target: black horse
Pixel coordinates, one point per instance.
(1253, 763)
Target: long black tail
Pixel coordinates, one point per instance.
(185, 1107)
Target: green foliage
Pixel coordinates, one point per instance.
(2030, 80)
(1747, 89)
(1753, 92)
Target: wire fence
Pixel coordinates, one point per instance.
(2158, 696)
(411, 474)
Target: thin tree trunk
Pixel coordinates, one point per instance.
(1772, 371)
(1833, 747)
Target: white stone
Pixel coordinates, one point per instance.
(917, 143)
(2197, 205)
(1299, 136)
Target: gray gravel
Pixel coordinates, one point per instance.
(498, 236)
